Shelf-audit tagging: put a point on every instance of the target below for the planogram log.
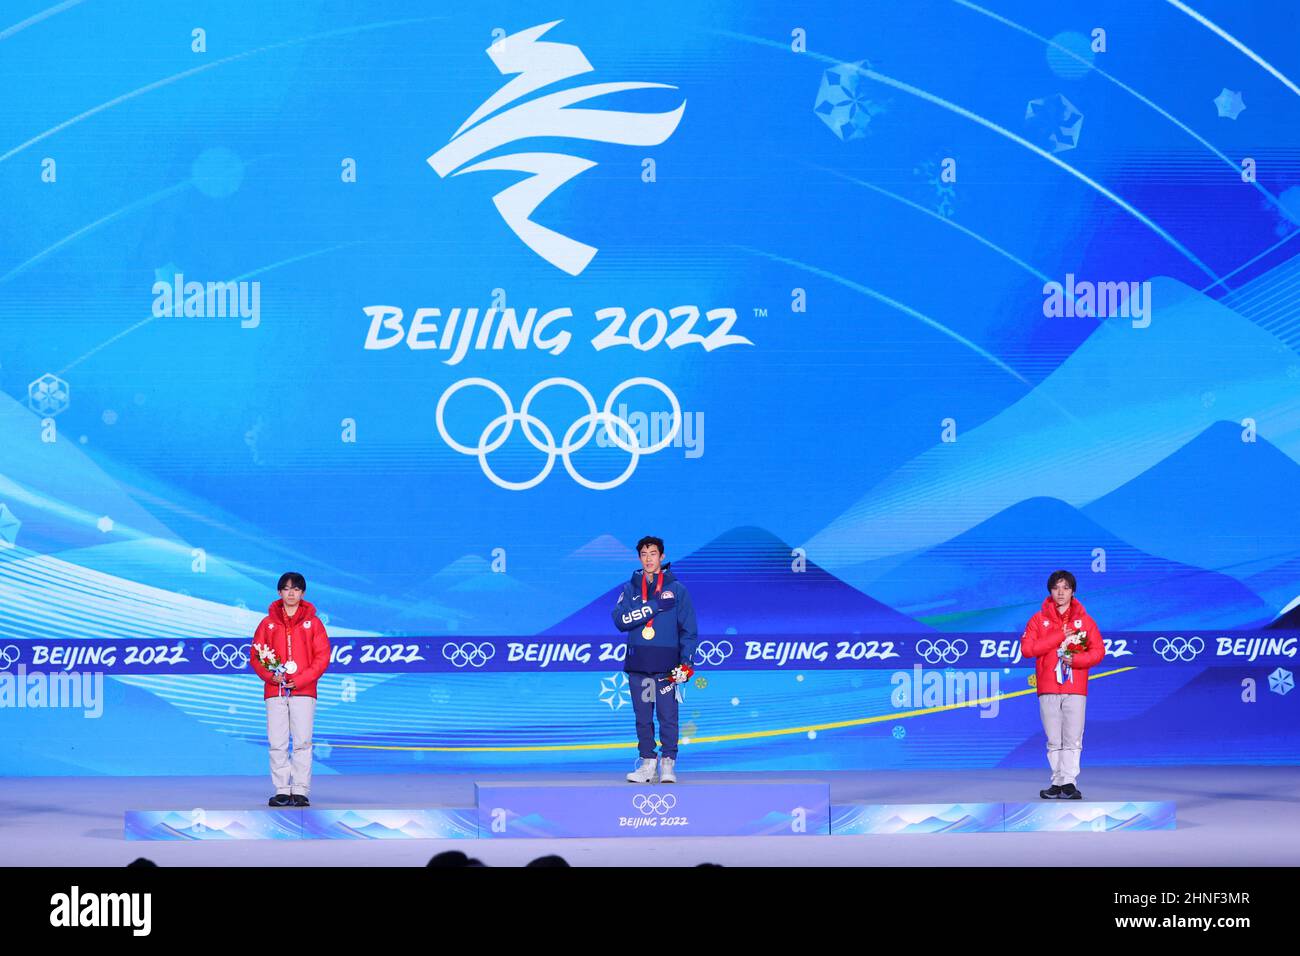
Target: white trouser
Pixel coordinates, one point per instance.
(285, 716)
(1063, 723)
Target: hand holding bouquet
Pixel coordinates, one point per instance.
(271, 661)
(677, 676)
(1075, 640)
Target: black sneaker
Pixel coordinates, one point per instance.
(1052, 793)
(280, 800)
(1070, 792)
(300, 800)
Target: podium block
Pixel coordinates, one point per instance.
(442, 823)
(1042, 816)
(861, 818)
(564, 810)
(1080, 815)
(202, 824)
(360, 824)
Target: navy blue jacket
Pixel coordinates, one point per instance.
(674, 624)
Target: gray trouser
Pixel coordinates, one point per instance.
(285, 716)
(1063, 723)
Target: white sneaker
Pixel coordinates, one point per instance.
(645, 773)
(668, 773)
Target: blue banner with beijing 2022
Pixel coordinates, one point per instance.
(767, 652)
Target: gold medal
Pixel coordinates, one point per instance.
(648, 632)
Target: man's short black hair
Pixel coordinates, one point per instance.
(292, 579)
(648, 540)
(1058, 575)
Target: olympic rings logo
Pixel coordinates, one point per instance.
(1178, 648)
(941, 650)
(707, 652)
(222, 656)
(468, 655)
(651, 804)
(9, 655)
(503, 425)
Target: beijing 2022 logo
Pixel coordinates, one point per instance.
(538, 64)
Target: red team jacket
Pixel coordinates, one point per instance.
(1044, 634)
(311, 647)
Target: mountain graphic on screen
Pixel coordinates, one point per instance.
(57, 490)
(743, 582)
(1241, 494)
(1289, 619)
(994, 576)
(1117, 423)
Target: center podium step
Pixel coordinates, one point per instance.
(566, 810)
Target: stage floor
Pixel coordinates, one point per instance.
(1227, 816)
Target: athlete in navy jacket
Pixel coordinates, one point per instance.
(655, 610)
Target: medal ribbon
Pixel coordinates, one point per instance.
(1064, 670)
(288, 645)
(659, 586)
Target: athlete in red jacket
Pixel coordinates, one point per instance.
(1064, 642)
(296, 636)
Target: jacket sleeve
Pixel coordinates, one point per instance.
(1038, 641)
(1095, 652)
(631, 612)
(689, 635)
(320, 654)
(259, 637)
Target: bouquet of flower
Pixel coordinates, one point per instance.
(271, 661)
(681, 673)
(676, 677)
(1075, 641)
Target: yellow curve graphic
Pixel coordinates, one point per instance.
(722, 738)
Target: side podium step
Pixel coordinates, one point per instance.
(450, 823)
(1039, 817)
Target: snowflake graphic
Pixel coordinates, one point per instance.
(1229, 103)
(1054, 122)
(614, 691)
(843, 102)
(943, 196)
(1281, 681)
(899, 731)
(1287, 210)
(48, 395)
